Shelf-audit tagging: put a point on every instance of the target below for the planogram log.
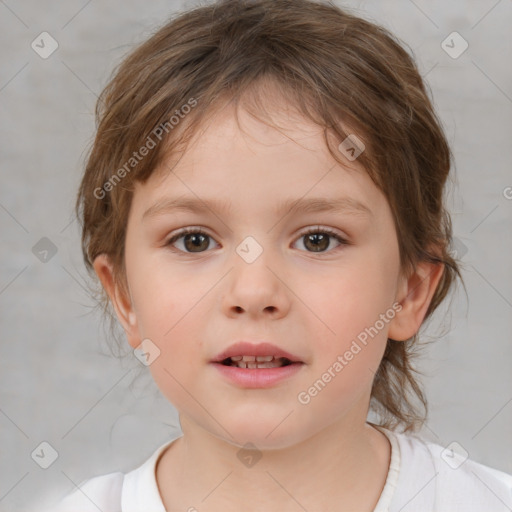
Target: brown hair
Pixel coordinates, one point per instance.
(336, 68)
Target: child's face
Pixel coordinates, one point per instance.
(193, 305)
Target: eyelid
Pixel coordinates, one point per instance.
(323, 229)
(185, 231)
(341, 239)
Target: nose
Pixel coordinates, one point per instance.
(256, 289)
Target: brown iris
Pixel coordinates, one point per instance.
(194, 241)
(319, 241)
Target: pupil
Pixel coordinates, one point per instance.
(320, 241)
(196, 241)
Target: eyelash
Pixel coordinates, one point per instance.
(199, 231)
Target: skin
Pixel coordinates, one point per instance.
(316, 456)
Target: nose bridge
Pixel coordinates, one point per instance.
(254, 286)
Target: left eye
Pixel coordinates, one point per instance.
(318, 240)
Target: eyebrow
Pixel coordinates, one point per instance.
(342, 205)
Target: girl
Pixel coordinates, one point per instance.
(263, 205)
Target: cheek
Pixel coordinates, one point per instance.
(170, 319)
(347, 306)
(344, 362)
(164, 299)
(347, 299)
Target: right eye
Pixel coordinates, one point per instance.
(193, 240)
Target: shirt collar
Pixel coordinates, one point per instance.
(140, 489)
(391, 483)
(417, 483)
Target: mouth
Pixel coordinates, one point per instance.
(257, 362)
(257, 372)
(251, 356)
(261, 365)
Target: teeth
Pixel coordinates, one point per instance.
(272, 364)
(264, 358)
(248, 362)
(251, 359)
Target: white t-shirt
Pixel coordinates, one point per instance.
(422, 477)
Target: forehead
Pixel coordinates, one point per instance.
(285, 162)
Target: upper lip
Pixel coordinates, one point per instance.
(243, 348)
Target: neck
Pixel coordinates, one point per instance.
(343, 467)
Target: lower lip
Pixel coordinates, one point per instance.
(258, 378)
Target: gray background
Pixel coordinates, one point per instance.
(59, 382)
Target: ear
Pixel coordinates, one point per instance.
(414, 294)
(122, 304)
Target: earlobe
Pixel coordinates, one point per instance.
(415, 294)
(122, 305)
(132, 319)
